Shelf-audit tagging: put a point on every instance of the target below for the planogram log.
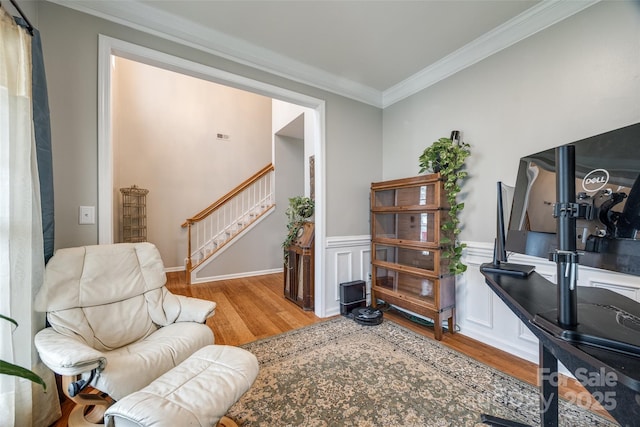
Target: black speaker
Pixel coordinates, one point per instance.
(352, 295)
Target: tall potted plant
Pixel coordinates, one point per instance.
(447, 157)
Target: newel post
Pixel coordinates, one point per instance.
(189, 264)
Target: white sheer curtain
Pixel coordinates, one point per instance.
(21, 247)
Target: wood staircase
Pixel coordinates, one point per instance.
(211, 230)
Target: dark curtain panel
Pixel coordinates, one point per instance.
(42, 129)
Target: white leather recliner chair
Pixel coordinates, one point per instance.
(114, 325)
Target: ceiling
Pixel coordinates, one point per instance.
(377, 52)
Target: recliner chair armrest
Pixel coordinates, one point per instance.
(195, 309)
(66, 355)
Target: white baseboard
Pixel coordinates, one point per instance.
(235, 276)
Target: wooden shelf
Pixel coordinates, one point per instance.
(408, 270)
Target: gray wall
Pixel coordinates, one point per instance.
(70, 42)
(576, 79)
(258, 250)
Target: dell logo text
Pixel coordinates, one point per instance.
(595, 180)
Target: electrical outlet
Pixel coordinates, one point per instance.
(87, 215)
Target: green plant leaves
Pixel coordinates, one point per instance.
(448, 158)
(7, 368)
(300, 208)
(9, 319)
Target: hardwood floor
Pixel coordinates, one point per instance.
(247, 309)
(254, 308)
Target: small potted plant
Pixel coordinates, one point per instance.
(299, 211)
(447, 156)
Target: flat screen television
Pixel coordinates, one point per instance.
(607, 169)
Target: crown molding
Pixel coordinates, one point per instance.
(528, 23)
(144, 18)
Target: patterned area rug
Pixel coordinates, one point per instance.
(339, 373)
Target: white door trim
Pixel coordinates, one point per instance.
(108, 47)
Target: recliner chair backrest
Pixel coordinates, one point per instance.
(101, 293)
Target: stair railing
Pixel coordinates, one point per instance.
(213, 227)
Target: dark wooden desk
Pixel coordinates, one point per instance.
(612, 378)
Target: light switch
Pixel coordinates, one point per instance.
(87, 215)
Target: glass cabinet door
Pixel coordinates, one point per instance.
(407, 257)
(404, 283)
(419, 195)
(417, 227)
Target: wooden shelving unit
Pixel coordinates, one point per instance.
(408, 270)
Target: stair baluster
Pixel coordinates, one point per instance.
(214, 227)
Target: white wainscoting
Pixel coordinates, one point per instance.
(347, 258)
(483, 316)
(480, 314)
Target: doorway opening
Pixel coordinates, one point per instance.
(110, 49)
